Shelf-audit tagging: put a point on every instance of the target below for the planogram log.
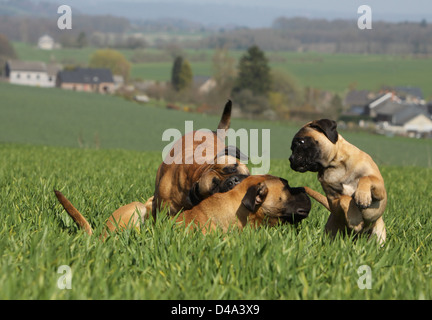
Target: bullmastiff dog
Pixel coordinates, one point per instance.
(196, 167)
(354, 188)
(184, 181)
(257, 200)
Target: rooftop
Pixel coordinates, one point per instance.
(85, 75)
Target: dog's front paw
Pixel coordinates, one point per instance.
(363, 199)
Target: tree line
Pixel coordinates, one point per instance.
(335, 36)
(286, 34)
(30, 29)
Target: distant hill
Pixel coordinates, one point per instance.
(29, 8)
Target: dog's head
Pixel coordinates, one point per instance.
(272, 201)
(313, 145)
(224, 174)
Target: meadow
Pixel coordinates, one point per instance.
(165, 262)
(115, 163)
(332, 72)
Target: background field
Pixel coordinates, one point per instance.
(40, 130)
(332, 72)
(63, 118)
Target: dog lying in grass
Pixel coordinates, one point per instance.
(256, 200)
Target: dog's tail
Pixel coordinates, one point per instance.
(74, 213)
(318, 197)
(225, 121)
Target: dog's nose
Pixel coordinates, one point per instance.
(233, 181)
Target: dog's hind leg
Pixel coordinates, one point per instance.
(352, 213)
(379, 230)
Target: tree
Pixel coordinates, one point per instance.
(253, 72)
(6, 49)
(82, 40)
(224, 72)
(181, 75)
(286, 94)
(336, 107)
(186, 77)
(113, 60)
(175, 73)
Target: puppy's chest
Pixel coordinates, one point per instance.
(337, 182)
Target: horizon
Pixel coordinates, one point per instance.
(253, 13)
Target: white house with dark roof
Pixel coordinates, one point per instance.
(403, 118)
(32, 73)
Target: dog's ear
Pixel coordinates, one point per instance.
(255, 196)
(233, 152)
(328, 127)
(194, 196)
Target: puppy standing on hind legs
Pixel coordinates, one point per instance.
(354, 188)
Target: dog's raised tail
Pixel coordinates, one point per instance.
(225, 121)
(318, 197)
(74, 213)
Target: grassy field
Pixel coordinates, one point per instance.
(162, 262)
(333, 72)
(40, 130)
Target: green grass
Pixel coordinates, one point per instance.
(161, 262)
(332, 72)
(336, 72)
(39, 151)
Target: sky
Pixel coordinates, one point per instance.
(254, 13)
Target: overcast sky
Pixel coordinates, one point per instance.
(394, 6)
(255, 13)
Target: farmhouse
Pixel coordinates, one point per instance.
(46, 43)
(405, 119)
(87, 80)
(407, 94)
(204, 84)
(394, 110)
(32, 73)
(356, 101)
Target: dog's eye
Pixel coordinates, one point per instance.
(299, 142)
(230, 170)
